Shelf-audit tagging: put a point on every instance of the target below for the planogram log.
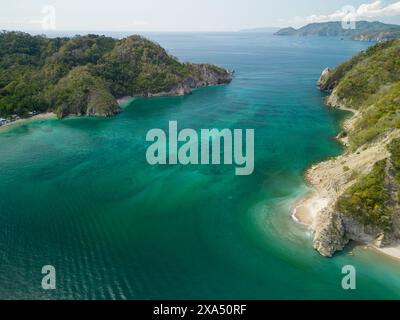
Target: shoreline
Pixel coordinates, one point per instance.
(308, 208)
(41, 116)
(324, 177)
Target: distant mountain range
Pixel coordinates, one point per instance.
(261, 30)
(365, 31)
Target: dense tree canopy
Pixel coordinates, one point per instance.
(370, 83)
(85, 75)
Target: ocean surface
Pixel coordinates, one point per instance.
(78, 194)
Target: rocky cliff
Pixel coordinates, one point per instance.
(351, 185)
(361, 188)
(199, 76)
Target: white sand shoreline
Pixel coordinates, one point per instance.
(322, 178)
(41, 116)
(307, 209)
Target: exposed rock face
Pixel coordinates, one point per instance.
(201, 76)
(357, 195)
(321, 83)
(332, 229)
(205, 74)
(329, 233)
(326, 81)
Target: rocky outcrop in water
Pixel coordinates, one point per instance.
(200, 76)
(329, 233)
(323, 79)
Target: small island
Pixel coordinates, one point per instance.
(356, 195)
(88, 75)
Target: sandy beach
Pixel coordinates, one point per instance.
(307, 209)
(328, 180)
(123, 101)
(41, 116)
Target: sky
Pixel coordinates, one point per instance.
(185, 15)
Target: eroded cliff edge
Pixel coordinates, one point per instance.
(356, 195)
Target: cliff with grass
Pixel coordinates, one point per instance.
(85, 75)
(362, 185)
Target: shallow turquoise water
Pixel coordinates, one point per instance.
(78, 194)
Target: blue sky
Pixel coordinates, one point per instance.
(184, 15)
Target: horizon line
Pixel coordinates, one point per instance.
(37, 31)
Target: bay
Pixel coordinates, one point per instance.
(78, 194)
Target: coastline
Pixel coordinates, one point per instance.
(307, 208)
(122, 102)
(327, 180)
(41, 116)
(310, 206)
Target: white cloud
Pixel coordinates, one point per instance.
(372, 10)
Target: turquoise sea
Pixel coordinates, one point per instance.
(78, 194)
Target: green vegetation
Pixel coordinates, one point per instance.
(32, 67)
(367, 200)
(85, 75)
(382, 117)
(370, 83)
(371, 200)
(369, 75)
(81, 93)
(365, 30)
(394, 149)
(137, 66)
